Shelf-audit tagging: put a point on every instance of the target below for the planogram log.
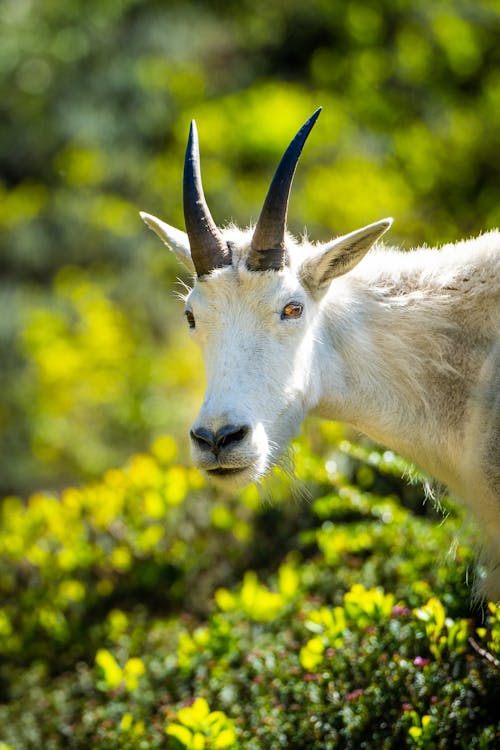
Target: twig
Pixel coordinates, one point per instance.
(485, 654)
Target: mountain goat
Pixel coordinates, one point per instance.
(403, 346)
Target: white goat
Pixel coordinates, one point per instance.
(404, 346)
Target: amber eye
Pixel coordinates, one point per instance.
(190, 319)
(292, 310)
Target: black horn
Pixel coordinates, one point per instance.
(208, 248)
(267, 250)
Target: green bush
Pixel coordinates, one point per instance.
(144, 611)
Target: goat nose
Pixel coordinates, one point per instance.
(204, 438)
(230, 434)
(224, 437)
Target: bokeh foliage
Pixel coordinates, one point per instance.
(96, 100)
(145, 611)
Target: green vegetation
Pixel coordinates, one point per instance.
(144, 611)
(139, 608)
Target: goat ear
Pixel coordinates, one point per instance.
(176, 240)
(340, 255)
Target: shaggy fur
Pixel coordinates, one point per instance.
(404, 346)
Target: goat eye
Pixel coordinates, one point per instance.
(292, 310)
(190, 319)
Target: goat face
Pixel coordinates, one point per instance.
(254, 310)
(255, 331)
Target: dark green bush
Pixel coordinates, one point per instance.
(121, 606)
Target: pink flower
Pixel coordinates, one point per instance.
(355, 694)
(419, 661)
(398, 611)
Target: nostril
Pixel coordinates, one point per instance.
(230, 434)
(202, 437)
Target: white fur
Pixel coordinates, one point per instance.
(403, 346)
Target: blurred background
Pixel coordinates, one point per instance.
(95, 106)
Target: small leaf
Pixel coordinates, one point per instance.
(180, 733)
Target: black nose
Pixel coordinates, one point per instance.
(226, 437)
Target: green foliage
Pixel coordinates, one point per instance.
(197, 728)
(94, 372)
(136, 611)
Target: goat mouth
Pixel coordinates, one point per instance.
(226, 471)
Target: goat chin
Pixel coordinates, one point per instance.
(233, 479)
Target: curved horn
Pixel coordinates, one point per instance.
(208, 248)
(267, 250)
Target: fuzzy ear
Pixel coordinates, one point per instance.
(339, 256)
(176, 240)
